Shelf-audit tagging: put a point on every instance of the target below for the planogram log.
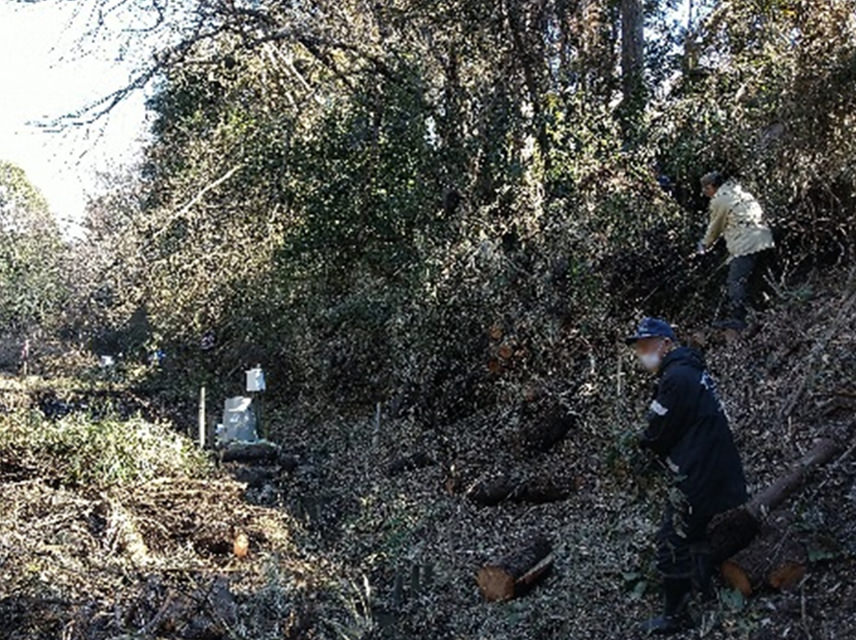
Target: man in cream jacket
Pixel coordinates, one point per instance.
(736, 215)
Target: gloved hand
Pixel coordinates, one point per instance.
(641, 461)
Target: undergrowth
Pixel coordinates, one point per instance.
(78, 450)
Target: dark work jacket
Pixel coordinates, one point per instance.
(688, 429)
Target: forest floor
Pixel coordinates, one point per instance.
(114, 526)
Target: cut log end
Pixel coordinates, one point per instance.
(495, 583)
(515, 574)
(788, 576)
(736, 578)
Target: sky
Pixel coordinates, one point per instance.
(48, 72)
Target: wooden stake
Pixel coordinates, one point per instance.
(203, 431)
(376, 438)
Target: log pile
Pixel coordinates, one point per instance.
(514, 574)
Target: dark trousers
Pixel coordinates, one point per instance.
(743, 276)
(682, 546)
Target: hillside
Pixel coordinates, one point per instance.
(431, 222)
(118, 528)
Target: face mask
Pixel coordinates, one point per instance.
(651, 361)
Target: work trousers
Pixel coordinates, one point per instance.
(682, 546)
(743, 274)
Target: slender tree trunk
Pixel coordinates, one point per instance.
(528, 61)
(632, 54)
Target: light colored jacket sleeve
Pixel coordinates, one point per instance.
(718, 218)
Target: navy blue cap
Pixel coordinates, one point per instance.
(652, 328)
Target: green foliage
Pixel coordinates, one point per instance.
(770, 102)
(81, 451)
(732, 599)
(32, 287)
(356, 211)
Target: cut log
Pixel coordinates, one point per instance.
(787, 576)
(491, 492)
(748, 561)
(735, 529)
(774, 495)
(776, 559)
(406, 463)
(516, 573)
(747, 578)
(250, 452)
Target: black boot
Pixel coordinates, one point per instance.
(675, 618)
(702, 570)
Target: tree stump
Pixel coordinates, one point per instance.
(516, 573)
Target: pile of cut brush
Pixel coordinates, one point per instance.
(119, 528)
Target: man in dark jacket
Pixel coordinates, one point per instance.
(688, 431)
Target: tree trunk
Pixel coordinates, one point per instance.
(514, 574)
(632, 52)
(735, 530)
(529, 61)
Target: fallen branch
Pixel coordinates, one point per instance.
(491, 492)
